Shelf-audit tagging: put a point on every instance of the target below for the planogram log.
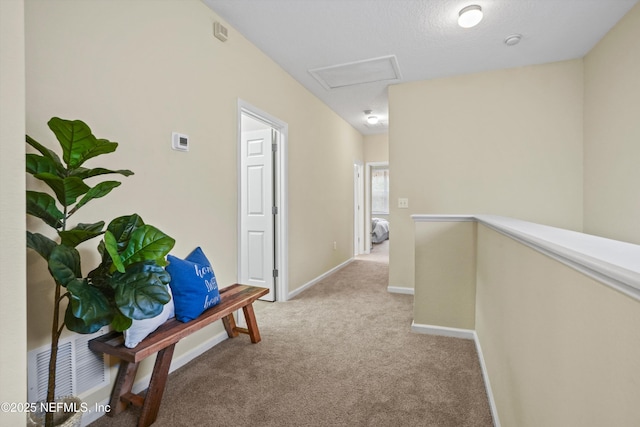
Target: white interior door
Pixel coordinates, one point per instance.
(256, 211)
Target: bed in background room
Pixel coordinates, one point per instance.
(379, 230)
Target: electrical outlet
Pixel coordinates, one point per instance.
(335, 246)
(403, 203)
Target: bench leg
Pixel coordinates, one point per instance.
(230, 326)
(252, 324)
(156, 387)
(122, 387)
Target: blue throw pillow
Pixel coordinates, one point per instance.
(193, 285)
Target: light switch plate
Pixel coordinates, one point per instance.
(403, 203)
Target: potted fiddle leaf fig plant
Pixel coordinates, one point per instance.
(129, 283)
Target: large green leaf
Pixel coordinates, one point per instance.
(81, 233)
(100, 190)
(43, 206)
(121, 322)
(41, 244)
(88, 303)
(39, 164)
(64, 264)
(84, 173)
(147, 243)
(67, 189)
(111, 245)
(78, 325)
(122, 228)
(49, 154)
(141, 292)
(77, 142)
(104, 255)
(101, 277)
(93, 311)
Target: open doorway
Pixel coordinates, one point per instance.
(377, 208)
(262, 201)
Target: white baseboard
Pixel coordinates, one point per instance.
(469, 334)
(487, 383)
(400, 290)
(142, 383)
(317, 279)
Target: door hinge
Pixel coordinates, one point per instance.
(274, 210)
(274, 147)
(275, 273)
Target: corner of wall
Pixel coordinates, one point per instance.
(13, 308)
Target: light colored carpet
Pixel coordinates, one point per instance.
(379, 253)
(340, 354)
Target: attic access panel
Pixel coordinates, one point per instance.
(359, 72)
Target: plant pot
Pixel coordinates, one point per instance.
(69, 413)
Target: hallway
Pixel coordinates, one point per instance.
(339, 354)
(379, 253)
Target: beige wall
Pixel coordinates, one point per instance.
(612, 133)
(376, 148)
(445, 257)
(561, 349)
(13, 307)
(505, 142)
(137, 70)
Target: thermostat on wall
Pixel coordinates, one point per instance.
(179, 141)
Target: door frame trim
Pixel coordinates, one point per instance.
(359, 240)
(282, 191)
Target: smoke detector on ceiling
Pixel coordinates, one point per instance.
(513, 39)
(220, 31)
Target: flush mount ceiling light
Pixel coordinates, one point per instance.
(371, 119)
(470, 16)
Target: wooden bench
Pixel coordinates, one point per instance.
(163, 341)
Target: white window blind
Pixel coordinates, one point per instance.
(380, 191)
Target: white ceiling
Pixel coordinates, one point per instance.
(423, 35)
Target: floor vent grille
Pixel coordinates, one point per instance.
(79, 370)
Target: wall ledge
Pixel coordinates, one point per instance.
(612, 262)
